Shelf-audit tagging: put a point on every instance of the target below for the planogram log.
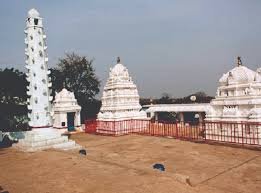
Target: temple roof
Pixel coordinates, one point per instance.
(120, 98)
(238, 75)
(33, 13)
(119, 70)
(64, 95)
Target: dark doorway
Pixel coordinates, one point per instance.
(70, 121)
(189, 117)
(35, 21)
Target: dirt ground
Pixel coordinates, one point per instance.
(124, 165)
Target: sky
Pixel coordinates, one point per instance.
(169, 46)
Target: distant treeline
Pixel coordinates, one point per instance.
(200, 97)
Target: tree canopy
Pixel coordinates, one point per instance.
(12, 86)
(76, 73)
(201, 97)
(13, 111)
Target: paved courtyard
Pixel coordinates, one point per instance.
(124, 165)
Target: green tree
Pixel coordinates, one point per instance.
(201, 97)
(13, 111)
(165, 99)
(12, 86)
(77, 74)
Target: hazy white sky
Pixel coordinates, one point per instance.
(173, 46)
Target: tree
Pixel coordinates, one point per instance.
(13, 111)
(76, 73)
(200, 94)
(12, 86)
(201, 97)
(165, 99)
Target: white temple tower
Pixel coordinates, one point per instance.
(238, 96)
(36, 59)
(120, 98)
(234, 114)
(120, 103)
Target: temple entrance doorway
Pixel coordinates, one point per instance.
(70, 121)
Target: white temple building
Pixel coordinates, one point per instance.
(238, 96)
(43, 135)
(66, 111)
(235, 113)
(120, 98)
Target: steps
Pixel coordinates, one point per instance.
(45, 138)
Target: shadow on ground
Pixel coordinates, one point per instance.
(2, 190)
(6, 142)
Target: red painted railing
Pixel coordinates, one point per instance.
(227, 132)
(234, 132)
(90, 126)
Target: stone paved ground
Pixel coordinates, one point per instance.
(124, 165)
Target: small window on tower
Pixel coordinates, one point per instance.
(39, 32)
(35, 21)
(41, 53)
(34, 74)
(31, 37)
(63, 124)
(40, 43)
(32, 48)
(42, 67)
(33, 61)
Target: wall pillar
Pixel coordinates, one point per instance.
(181, 117)
(200, 119)
(156, 117)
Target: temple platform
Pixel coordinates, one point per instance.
(45, 138)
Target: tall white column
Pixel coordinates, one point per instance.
(39, 105)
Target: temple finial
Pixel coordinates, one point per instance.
(118, 60)
(239, 62)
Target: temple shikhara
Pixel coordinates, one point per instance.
(238, 96)
(235, 113)
(120, 99)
